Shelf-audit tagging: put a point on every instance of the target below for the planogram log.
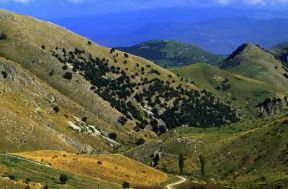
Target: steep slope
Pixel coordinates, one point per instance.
(36, 116)
(252, 61)
(243, 92)
(172, 53)
(112, 85)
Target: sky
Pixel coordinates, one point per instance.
(66, 8)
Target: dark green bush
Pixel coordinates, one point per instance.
(112, 136)
(63, 179)
(140, 141)
(68, 75)
(125, 185)
(3, 36)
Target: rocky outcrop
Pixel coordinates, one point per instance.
(273, 106)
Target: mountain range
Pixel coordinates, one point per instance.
(218, 30)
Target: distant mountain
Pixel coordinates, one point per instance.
(252, 61)
(219, 36)
(172, 53)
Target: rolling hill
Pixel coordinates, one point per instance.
(254, 62)
(243, 92)
(172, 53)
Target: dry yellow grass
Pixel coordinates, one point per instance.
(110, 167)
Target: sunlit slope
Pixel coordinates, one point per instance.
(113, 168)
(252, 61)
(18, 173)
(243, 92)
(114, 86)
(35, 116)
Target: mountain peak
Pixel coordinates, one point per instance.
(244, 50)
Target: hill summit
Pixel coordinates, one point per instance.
(169, 53)
(252, 61)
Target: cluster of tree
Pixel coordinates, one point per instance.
(126, 94)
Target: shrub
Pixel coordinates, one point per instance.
(112, 50)
(12, 177)
(5, 75)
(3, 36)
(140, 141)
(45, 187)
(84, 119)
(27, 180)
(68, 75)
(125, 185)
(126, 55)
(43, 47)
(56, 109)
(63, 179)
(122, 120)
(112, 136)
(65, 67)
(89, 43)
(51, 73)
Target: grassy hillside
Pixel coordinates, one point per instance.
(113, 86)
(254, 62)
(114, 168)
(172, 53)
(19, 171)
(30, 109)
(243, 92)
(247, 155)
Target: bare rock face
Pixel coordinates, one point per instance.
(273, 106)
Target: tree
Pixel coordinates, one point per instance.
(202, 165)
(63, 179)
(125, 185)
(181, 163)
(140, 141)
(112, 136)
(68, 75)
(3, 36)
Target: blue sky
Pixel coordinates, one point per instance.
(57, 8)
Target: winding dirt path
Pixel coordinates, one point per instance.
(172, 185)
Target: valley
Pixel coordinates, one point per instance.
(75, 114)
